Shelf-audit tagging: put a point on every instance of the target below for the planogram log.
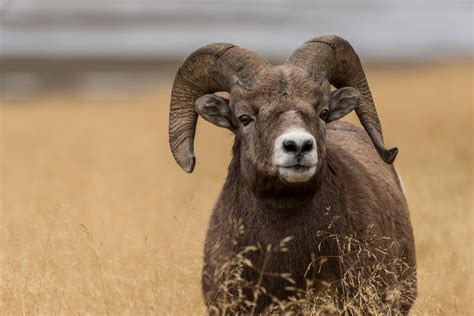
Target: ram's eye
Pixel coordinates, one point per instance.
(245, 119)
(324, 114)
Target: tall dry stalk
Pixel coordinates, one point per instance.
(43, 264)
(367, 268)
(99, 265)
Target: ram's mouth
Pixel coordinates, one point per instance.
(296, 173)
(299, 168)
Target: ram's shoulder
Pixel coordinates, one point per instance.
(343, 126)
(340, 130)
(352, 142)
(351, 149)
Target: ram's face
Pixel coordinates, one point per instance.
(280, 123)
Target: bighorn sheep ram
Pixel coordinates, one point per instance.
(292, 165)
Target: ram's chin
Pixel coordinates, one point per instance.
(296, 174)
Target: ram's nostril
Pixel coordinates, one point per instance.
(290, 146)
(307, 146)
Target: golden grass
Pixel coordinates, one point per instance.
(365, 287)
(97, 218)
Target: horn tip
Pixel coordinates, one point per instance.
(184, 156)
(188, 164)
(389, 155)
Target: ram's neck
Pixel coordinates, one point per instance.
(242, 197)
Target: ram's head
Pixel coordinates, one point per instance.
(277, 113)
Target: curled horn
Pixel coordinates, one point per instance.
(212, 68)
(333, 58)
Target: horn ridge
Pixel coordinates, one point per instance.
(333, 58)
(209, 69)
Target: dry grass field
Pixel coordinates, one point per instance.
(96, 217)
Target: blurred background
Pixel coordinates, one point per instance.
(95, 48)
(97, 218)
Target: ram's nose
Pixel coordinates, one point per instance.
(298, 144)
(296, 147)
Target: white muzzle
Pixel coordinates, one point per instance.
(295, 155)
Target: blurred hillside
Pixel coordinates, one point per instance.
(170, 29)
(97, 48)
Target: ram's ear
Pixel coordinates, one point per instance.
(215, 109)
(343, 101)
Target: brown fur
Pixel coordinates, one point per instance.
(352, 184)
